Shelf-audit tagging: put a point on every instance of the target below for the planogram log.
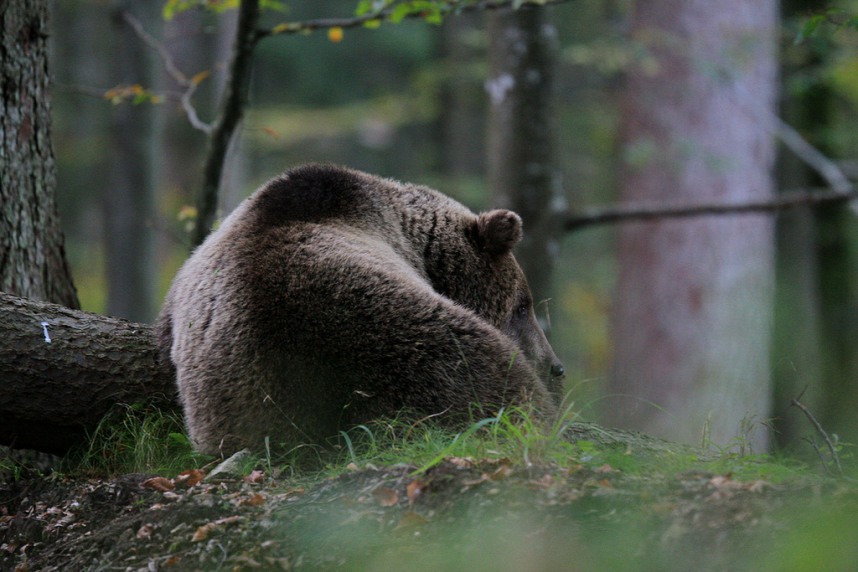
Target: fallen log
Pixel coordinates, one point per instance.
(62, 370)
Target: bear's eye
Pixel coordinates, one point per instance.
(522, 309)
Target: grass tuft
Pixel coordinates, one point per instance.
(136, 439)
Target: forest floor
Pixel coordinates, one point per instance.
(462, 513)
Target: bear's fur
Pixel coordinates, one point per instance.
(330, 297)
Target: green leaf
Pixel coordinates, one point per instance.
(371, 6)
(809, 28)
(400, 12)
(173, 7)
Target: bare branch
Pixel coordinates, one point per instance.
(812, 442)
(458, 7)
(160, 49)
(822, 433)
(173, 71)
(786, 200)
(826, 168)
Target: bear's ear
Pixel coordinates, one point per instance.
(498, 231)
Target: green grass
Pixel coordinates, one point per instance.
(142, 439)
(653, 511)
(135, 439)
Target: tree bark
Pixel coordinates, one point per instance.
(32, 256)
(522, 174)
(61, 371)
(693, 304)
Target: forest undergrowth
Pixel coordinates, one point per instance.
(505, 494)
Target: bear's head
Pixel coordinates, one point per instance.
(489, 281)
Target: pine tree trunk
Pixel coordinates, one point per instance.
(32, 257)
(693, 303)
(62, 370)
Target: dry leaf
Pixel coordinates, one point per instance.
(145, 532)
(473, 482)
(502, 472)
(385, 496)
(189, 478)
(253, 500)
(758, 486)
(200, 77)
(606, 468)
(255, 477)
(409, 520)
(462, 462)
(203, 532)
(158, 483)
(547, 481)
(271, 132)
(414, 489)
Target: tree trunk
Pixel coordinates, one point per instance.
(62, 370)
(229, 116)
(129, 201)
(462, 120)
(32, 256)
(692, 312)
(521, 171)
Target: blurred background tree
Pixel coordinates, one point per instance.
(413, 101)
(692, 312)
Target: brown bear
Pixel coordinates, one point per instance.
(330, 297)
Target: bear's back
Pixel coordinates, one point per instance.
(319, 194)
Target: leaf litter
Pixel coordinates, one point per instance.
(458, 513)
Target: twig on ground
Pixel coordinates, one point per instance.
(816, 448)
(821, 431)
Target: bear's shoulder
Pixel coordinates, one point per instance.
(315, 193)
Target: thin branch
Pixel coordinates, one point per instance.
(786, 200)
(453, 8)
(826, 168)
(160, 49)
(189, 85)
(820, 430)
(812, 442)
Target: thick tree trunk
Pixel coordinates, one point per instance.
(61, 370)
(693, 303)
(521, 171)
(32, 258)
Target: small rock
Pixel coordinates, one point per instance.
(232, 468)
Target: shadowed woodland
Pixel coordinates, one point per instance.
(685, 173)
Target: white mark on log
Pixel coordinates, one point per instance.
(499, 87)
(45, 329)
